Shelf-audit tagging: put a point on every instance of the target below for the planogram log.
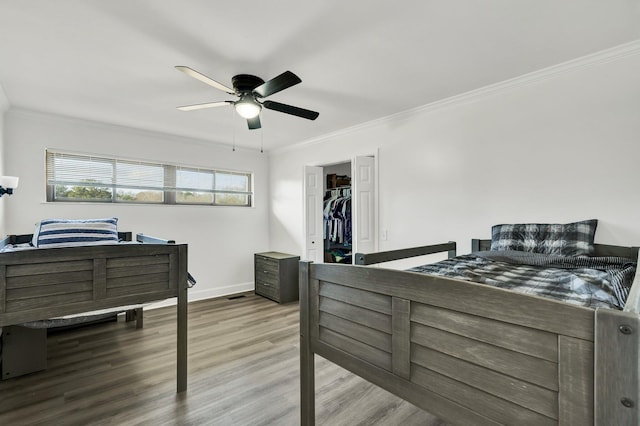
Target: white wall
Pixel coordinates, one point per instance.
(556, 146)
(221, 240)
(4, 106)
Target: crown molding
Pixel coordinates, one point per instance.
(602, 57)
(55, 117)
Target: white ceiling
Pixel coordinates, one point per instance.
(113, 60)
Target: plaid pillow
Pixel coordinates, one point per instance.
(570, 239)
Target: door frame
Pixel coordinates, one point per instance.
(376, 208)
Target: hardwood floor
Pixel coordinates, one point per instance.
(243, 370)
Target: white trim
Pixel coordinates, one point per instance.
(171, 137)
(591, 60)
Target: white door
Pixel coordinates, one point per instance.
(313, 192)
(364, 214)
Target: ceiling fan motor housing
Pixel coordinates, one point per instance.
(243, 83)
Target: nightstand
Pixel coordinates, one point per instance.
(276, 276)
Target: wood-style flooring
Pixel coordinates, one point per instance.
(243, 370)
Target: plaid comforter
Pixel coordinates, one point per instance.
(581, 280)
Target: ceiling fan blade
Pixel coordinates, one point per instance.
(288, 109)
(254, 123)
(195, 74)
(276, 84)
(202, 106)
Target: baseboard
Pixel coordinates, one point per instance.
(209, 293)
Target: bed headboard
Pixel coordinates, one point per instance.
(601, 249)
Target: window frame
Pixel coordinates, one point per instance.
(168, 187)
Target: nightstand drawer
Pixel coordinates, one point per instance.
(272, 291)
(267, 269)
(276, 276)
(267, 278)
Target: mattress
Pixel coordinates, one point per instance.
(581, 280)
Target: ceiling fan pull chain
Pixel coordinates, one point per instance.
(233, 127)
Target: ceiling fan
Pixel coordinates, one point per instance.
(251, 90)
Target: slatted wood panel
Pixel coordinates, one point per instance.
(357, 314)
(42, 267)
(365, 299)
(362, 326)
(142, 274)
(483, 403)
(533, 370)
(525, 394)
(526, 340)
(503, 371)
(34, 286)
(367, 335)
(39, 285)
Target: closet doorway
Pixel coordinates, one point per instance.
(340, 210)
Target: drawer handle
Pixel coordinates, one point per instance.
(266, 272)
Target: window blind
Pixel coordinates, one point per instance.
(78, 170)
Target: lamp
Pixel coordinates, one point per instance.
(248, 107)
(8, 184)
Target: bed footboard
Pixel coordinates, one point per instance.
(37, 284)
(468, 353)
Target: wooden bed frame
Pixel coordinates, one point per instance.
(40, 284)
(469, 353)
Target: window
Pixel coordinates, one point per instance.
(88, 178)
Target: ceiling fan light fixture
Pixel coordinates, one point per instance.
(247, 107)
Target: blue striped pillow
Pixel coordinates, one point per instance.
(73, 233)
